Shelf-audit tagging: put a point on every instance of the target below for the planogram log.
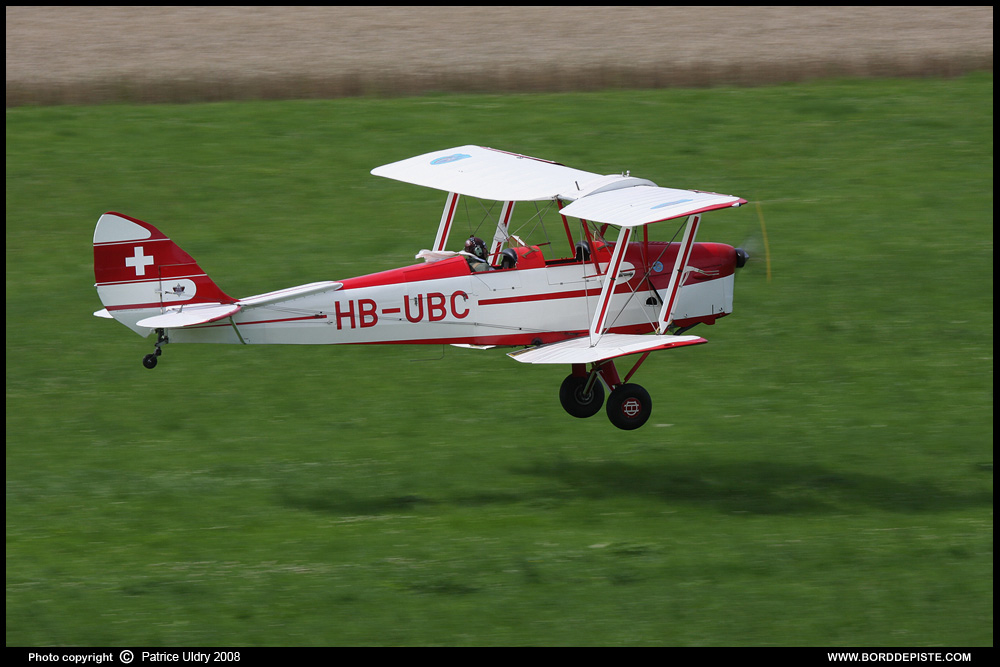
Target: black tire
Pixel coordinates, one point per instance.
(629, 406)
(575, 402)
(149, 361)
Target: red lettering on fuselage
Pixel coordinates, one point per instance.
(438, 306)
(435, 307)
(367, 313)
(454, 306)
(418, 301)
(432, 307)
(341, 315)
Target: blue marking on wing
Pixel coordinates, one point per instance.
(670, 203)
(450, 158)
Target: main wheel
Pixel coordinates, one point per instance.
(629, 406)
(149, 361)
(575, 402)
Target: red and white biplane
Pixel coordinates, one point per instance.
(574, 298)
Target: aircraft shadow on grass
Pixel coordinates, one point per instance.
(760, 488)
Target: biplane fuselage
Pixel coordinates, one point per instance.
(578, 301)
(446, 302)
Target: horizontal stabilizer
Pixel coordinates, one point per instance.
(290, 293)
(610, 346)
(189, 316)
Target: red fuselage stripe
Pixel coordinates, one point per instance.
(573, 294)
(321, 316)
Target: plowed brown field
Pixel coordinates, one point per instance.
(98, 54)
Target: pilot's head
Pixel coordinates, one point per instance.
(476, 246)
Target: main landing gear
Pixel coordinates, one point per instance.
(149, 361)
(582, 394)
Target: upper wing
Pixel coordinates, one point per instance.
(487, 173)
(476, 171)
(644, 204)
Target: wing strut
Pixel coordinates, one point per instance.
(677, 277)
(501, 233)
(447, 217)
(604, 302)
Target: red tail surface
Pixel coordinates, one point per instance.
(140, 272)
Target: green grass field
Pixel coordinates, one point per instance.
(819, 474)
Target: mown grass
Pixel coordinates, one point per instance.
(819, 474)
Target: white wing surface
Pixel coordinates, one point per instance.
(487, 173)
(643, 204)
(610, 346)
(476, 171)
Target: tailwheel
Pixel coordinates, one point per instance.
(575, 398)
(629, 406)
(149, 361)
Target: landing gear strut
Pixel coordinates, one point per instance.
(149, 361)
(582, 394)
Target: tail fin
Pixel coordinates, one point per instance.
(140, 272)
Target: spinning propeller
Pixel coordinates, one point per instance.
(755, 251)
